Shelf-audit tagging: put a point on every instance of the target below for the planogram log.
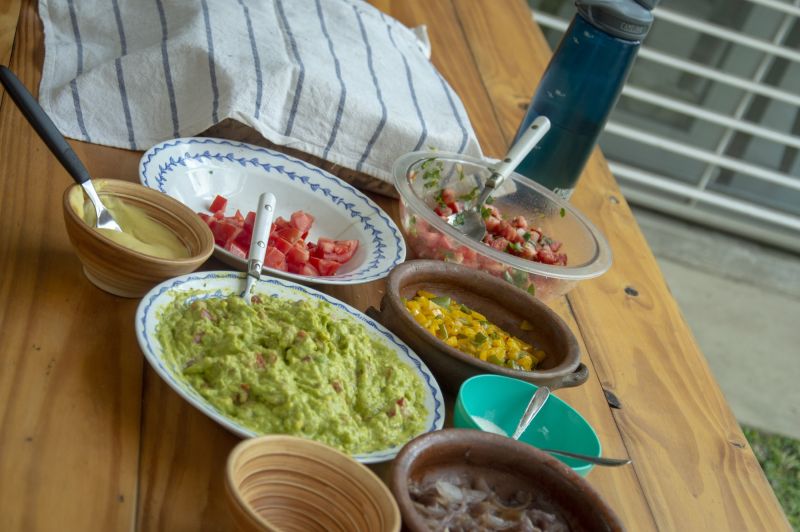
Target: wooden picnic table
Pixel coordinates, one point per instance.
(92, 439)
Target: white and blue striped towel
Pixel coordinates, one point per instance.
(333, 78)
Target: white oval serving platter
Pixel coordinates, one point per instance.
(195, 170)
(224, 283)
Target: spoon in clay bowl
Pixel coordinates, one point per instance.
(470, 221)
(258, 245)
(534, 407)
(58, 145)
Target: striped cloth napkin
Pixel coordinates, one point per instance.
(336, 79)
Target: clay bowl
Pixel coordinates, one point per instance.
(508, 466)
(288, 483)
(122, 271)
(503, 304)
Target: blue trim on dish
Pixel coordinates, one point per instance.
(160, 180)
(201, 403)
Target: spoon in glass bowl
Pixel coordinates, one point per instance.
(470, 221)
(58, 145)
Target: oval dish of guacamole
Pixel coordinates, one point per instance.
(291, 367)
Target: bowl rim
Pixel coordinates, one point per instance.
(596, 266)
(572, 357)
(399, 474)
(582, 469)
(181, 211)
(375, 485)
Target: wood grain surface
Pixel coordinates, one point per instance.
(92, 439)
(675, 422)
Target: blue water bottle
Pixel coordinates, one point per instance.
(581, 85)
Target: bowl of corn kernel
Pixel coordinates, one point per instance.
(464, 322)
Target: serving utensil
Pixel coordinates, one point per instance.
(597, 460)
(258, 245)
(470, 221)
(58, 145)
(534, 407)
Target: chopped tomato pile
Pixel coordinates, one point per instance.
(516, 236)
(288, 249)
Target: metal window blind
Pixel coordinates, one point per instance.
(708, 125)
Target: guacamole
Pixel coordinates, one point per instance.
(291, 367)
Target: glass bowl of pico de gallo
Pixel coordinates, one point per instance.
(534, 240)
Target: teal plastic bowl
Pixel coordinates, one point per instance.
(502, 401)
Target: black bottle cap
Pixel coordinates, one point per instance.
(626, 19)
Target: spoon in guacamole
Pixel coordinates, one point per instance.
(258, 245)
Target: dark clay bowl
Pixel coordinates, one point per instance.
(507, 464)
(503, 304)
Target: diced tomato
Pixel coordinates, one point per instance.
(500, 243)
(325, 267)
(453, 206)
(336, 250)
(302, 221)
(224, 231)
(280, 244)
(443, 212)
(448, 195)
(290, 234)
(287, 249)
(303, 269)
(219, 204)
(275, 259)
(280, 223)
(250, 221)
(244, 238)
(298, 254)
(237, 250)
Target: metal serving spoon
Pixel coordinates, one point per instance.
(534, 406)
(258, 245)
(48, 132)
(470, 222)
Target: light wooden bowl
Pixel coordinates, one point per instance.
(122, 271)
(287, 483)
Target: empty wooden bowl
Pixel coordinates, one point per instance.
(292, 484)
(508, 466)
(123, 271)
(502, 303)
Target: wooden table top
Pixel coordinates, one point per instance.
(92, 439)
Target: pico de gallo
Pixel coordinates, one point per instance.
(288, 248)
(516, 236)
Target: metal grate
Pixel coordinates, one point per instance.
(707, 127)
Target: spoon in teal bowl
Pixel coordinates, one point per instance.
(534, 407)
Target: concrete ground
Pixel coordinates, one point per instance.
(742, 302)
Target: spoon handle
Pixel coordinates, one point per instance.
(599, 460)
(536, 404)
(518, 151)
(258, 245)
(42, 124)
(523, 146)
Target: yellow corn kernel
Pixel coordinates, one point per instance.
(470, 331)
